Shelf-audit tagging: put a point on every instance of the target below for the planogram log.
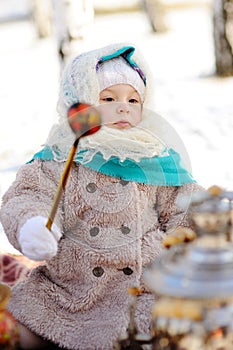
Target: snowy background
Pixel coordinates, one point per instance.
(188, 95)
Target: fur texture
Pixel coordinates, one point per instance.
(79, 299)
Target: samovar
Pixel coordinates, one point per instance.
(193, 282)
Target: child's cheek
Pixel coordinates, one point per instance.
(107, 112)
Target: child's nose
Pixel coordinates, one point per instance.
(122, 107)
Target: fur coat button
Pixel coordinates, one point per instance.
(94, 231)
(91, 187)
(125, 230)
(98, 271)
(127, 271)
(155, 206)
(124, 182)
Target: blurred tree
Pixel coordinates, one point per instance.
(222, 27)
(155, 12)
(223, 36)
(66, 20)
(42, 17)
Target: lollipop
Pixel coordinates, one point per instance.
(84, 120)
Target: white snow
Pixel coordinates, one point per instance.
(196, 103)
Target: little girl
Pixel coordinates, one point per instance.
(118, 205)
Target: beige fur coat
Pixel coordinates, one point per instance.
(112, 230)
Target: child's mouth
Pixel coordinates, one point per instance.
(122, 124)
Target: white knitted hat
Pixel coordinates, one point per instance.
(119, 71)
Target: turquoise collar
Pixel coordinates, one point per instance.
(158, 171)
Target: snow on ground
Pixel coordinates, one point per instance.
(187, 94)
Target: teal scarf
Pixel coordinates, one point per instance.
(158, 171)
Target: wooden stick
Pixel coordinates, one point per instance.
(84, 121)
(62, 184)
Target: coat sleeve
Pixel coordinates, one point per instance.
(31, 194)
(170, 216)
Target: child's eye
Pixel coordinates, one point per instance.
(107, 99)
(133, 100)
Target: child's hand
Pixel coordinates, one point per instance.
(36, 241)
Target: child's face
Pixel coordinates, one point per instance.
(120, 106)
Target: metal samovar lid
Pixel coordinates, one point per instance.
(202, 269)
